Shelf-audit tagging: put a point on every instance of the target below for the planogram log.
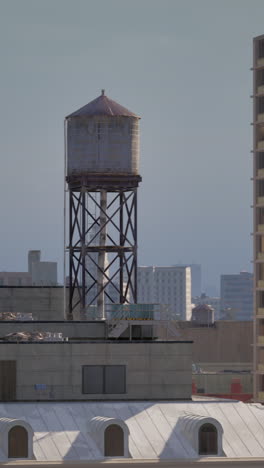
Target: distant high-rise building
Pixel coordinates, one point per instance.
(166, 285)
(33, 257)
(42, 273)
(236, 296)
(196, 278)
(38, 274)
(258, 215)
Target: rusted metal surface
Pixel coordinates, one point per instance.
(94, 281)
(102, 105)
(102, 137)
(101, 280)
(95, 181)
(102, 145)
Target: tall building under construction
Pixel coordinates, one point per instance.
(258, 218)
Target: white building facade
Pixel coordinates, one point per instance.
(196, 278)
(166, 285)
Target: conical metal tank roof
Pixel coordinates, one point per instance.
(102, 105)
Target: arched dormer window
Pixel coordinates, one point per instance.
(114, 441)
(208, 440)
(17, 442)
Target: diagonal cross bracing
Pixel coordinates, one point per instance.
(90, 222)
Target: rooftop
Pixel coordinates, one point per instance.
(157, 430)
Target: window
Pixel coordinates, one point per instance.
(208, 440)
(260, 110)
(114, 441)
(104, 379)
(93, 379)
(18, 442)
(261, 49)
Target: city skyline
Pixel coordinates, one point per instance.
(195, 151)
(196, 281)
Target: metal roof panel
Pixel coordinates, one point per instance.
(102, 105)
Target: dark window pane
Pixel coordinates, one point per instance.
(261, 49)
(93, 379)
(115, 379)
(260, 105)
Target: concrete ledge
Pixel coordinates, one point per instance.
(115, 342)
(123, 463)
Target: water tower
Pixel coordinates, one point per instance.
(101, 168)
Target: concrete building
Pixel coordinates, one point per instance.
(258, 219)
(221, 346)
(95, 370)
(236, 296)
(15, 278)
(196, 279)
(44, 303)
(33, 257)
(38, 274)
(42, 273)
(227, 385)
(222, 357)
(166, 285)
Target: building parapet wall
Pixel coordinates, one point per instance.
(54, 371)
(226, 344)
(44, 302)
(78, 330)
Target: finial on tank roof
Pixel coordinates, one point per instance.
(103, 92)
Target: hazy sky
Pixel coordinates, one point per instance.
(184, 67)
